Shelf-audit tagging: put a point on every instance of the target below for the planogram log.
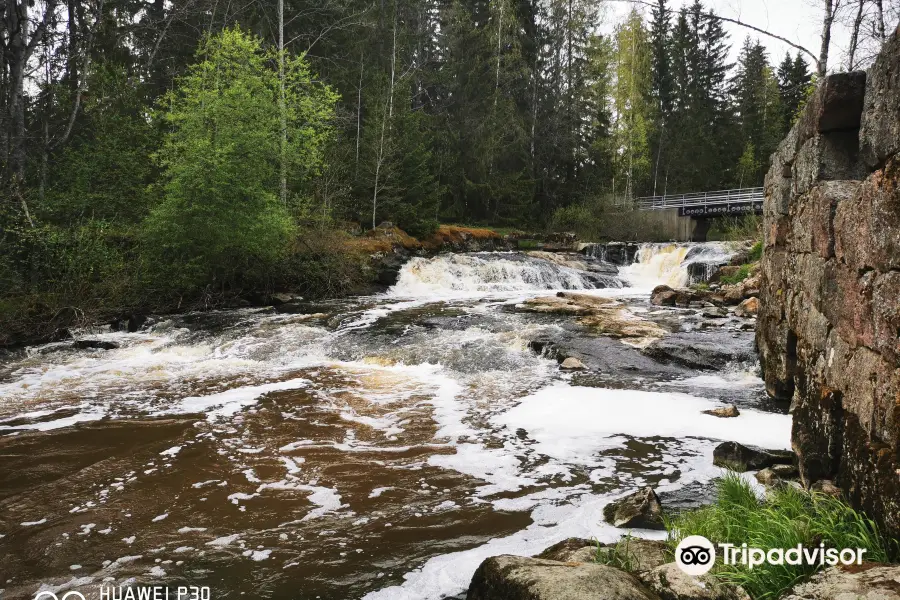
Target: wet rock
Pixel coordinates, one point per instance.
(640, 510)
(868, 581)
(94, 345)
(602, 315)
(725, 412)
(663, 295)
(768, 477)
(547, 349)
(747, 308)
(714, 313)
(824, 486)
(572, 364)
(571, 550)
(636, 555)
(700, 350)
(669, 582)
(735, 456)
(518, 578)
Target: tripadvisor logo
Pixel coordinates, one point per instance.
(696, 555)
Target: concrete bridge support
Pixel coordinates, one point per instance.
(672, 226)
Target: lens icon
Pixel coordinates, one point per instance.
(695, 555)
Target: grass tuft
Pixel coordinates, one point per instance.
(787, 517)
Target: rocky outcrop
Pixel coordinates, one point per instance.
(829, 316)
(669, 582)
(869, 581)
(509, 577)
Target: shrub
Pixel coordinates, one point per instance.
(742, 274)
(787, 517)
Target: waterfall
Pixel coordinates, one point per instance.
(493, 273)
(677, 265)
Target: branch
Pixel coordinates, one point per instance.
(712, 15)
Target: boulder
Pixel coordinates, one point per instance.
(879, 132)
(663, 295)
(768, 478)
(572, 364)
(738, 457)
(748, 307)
(826, 487)
(509, 577)
(94, 345)
(640, 510)
(725, 412)
(716, 312)
(868, 581)
(669, 582)
(571, 550)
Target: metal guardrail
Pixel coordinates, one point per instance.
(717, 198)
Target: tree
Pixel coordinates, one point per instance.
(793, 83)
(220, 217)
(662, 84)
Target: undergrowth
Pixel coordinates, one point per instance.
(787, 517)
(740, 275)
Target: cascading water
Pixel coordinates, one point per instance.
(494, 273)
(379, 447)
(676, 265)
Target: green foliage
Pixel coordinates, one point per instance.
(756, 252)
(737, 229)
(787, 517)
(741, 274)
(220, 221)
(104, 172)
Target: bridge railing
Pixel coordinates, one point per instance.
(719, 197)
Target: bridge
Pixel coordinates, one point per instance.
(687, 217)
(706, 204)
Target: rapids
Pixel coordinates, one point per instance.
(376, 447)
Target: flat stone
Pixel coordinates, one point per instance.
(509, 577)
(571, 550)
(94, 345)
(638, 554)
(572, 364)
(725, 412)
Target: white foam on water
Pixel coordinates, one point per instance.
(461, 275)
(571, 423)
(667, 264)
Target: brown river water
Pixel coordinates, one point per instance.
(376, 447)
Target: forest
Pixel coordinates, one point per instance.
(159, 154)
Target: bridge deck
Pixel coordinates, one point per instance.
(701, 203)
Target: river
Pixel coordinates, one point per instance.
(376, 447)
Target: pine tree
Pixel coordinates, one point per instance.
(793, 83)
(662, 84)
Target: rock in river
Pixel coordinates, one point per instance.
(738, 457)
(519, 578)
(572, 364)
(725, 412)
(671, 583)
(640, 510)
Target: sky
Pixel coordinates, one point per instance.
(797, 20)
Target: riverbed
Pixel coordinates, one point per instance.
(376, 447)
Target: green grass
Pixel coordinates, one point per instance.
(786, 518)
(756, 251)
(620, 555)
(742, 274)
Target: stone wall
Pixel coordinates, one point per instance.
(829, 322)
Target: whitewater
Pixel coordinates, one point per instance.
(374, 447)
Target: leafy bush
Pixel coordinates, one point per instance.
(786, 518)
(756, 251)
(734, 229)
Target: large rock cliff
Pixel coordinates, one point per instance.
(829, 322)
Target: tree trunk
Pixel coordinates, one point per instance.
(282, 108)
(827, 21)
(854, 36)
